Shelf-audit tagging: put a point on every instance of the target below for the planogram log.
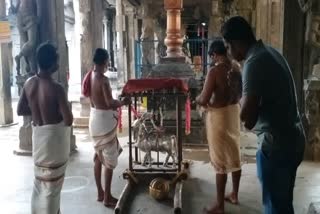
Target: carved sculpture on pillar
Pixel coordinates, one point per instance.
(27, 23)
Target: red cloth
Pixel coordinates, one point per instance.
(140, 85)
(86, 84)
(188, 116)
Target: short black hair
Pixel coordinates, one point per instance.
(47, 55)
(100, 56)
(217, 47)
(237, 28)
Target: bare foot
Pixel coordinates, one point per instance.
(232, 198)
(100, 196)
(214, 210)
(110, 202)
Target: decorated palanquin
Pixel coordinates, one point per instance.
(155, 157)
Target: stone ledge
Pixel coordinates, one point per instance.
(314, 208)
(9, 125)
(81, 122)
(21, 152)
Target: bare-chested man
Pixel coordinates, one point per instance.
(28, 13)
(103, 125)
(45, 100)
(220, 97)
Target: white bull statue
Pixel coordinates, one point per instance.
(154, 139)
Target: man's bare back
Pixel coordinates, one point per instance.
(101, 92)
(46, 100)
(223, 94)
(218, 90)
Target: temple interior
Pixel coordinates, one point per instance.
(157, 39)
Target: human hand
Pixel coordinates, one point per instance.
(126, 101)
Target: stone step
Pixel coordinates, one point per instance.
(81, 122)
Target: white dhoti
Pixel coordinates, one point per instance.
(103, 130)
(51, 148)
(223, 135)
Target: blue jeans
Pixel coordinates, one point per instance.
(277, 173)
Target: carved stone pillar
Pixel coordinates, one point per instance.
(6, 115)
(174, 65)
(91, 19)
(148, 49)
(120, 54)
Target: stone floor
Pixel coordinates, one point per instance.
(79, 193)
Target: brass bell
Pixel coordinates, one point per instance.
(159, 188)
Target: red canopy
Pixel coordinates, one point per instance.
(140, 85)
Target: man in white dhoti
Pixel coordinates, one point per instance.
(103, 124)
(220, 97)
(45, 100)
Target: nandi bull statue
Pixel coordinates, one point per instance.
(154, 139)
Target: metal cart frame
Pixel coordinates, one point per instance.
(178, 173)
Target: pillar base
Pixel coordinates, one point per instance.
(85, 107)
(82, 121)
(25, 138)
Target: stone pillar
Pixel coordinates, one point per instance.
(6, 115)
(148, 50)
(174, 65)
(312, 113)
(131, 35)
(2, 9)
(269, 22)
(216, 19)
(91, 19)
(293, 42)
(51, 27)
(120, 28)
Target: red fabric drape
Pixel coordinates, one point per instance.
(86, 84)
(140, 85)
